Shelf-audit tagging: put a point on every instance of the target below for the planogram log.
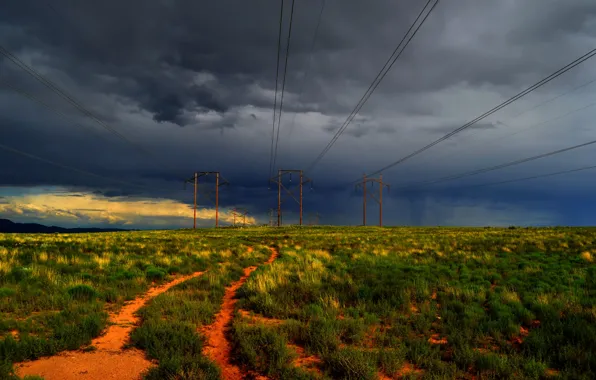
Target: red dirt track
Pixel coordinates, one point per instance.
(217, 347)
(110, 360)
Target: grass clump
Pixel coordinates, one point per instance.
(155, 274)
(178, 348)
(351, 364)
(82, 292)
(260, 348)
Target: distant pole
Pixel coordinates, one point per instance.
(219, 181)
(300, 197)
(311, 217)
(364, 200)
(194, 224)
(234, 214)
(380, 200)
(216, 199)
(296, 198)
(279, 198)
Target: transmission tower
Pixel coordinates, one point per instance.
(271, 213)
(240, 212)
(279, 181)
(364, 183)
(313, 219)
(219, 181)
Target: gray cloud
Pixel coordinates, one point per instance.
(148, 68)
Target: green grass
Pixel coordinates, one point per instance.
(502, 303)
(56, 289)
(169, 331)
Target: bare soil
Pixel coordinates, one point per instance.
(110, 360)
(436, 339)
(255, 319)
(408, 369)
(308, 362)
(217, 347)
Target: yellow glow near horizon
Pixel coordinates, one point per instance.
(96, 209)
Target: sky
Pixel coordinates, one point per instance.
(166, 88)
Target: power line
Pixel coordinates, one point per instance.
(522, 130)
(525, 129)
(553, 99)
(283, 85)
(539, 123)
(49, 84)
(281, 15)
(534, 177)
(32, 98)
(501, 166)
(74, 169)
(63, 166)
(309, 65)
(380, 76)
(513, 99)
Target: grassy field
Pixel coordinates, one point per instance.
(350, 303)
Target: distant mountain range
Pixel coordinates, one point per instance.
(12, 227)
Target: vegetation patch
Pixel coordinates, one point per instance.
(365, 302)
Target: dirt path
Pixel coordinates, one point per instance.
(217, 347)
(110, 360)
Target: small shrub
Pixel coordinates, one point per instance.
(89, 349)
(82, 292)
(261, 348)
(7, 292)
(110, 296)
(19, 273)
(155, 274)
(163, 339)
(124, 275)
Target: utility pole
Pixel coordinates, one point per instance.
(364, 203)
(271, 212)
(314, 216)
(244, 213)
(194, 224)
(240, 212)
(216, 199)
(279, 180)
(279, 198)
(365, 181)
(219, 181)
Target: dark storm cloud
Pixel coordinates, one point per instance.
(156, 47)
(148, 67)
(444, 129)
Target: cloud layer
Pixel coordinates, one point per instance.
(69, 208)
(193, 83)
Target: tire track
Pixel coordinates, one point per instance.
(217, 347)
(110, 360)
